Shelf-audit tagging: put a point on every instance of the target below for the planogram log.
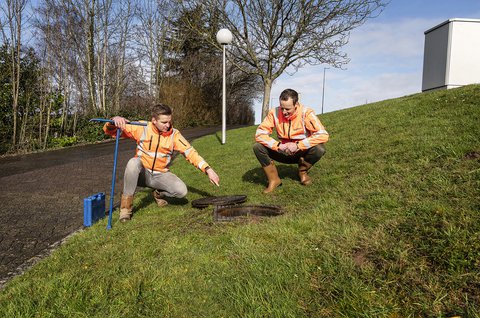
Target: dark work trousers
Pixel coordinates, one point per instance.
(265, 155)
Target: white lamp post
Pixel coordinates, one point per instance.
(323, 90)
(224, 37)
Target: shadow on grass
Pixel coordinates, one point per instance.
(219, 138)
(200, 192)
(257, 175)
(147, 199)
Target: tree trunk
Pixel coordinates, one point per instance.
(120, 77)
(40, 118)
(64, 84)
(42, 103)
(15, 9)
(103, 79)
(92, 90)
(266, 97)
(74, 127)
(15, 93)
(23, 129)
(49, 101)
(47, 125)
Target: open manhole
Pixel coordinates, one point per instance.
(224, 200)
(229, 213)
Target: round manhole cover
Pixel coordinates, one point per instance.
(229, 213)
(220, 200)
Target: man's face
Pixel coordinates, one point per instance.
(287, 107)
(163, 123)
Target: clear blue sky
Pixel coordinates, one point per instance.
(386, 57)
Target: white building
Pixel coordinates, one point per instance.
(452, 54)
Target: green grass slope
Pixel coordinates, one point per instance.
(389, 228)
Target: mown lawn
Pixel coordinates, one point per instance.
(390, 228)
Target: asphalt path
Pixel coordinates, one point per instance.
(42, 196)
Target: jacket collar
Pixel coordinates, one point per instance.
(164, 134)
(297, 111)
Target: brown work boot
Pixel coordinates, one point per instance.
(158, 196)
(272, 176)
(303, 168)
(126, 207)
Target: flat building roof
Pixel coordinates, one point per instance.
(452, 20)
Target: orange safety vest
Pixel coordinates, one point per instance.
(156, 149)
(303, 127)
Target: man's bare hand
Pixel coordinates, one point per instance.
(289, 148)
(283, 148)
(120, 122)
(292, 147)
(212, 175)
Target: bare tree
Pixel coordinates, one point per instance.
(154, 40)
(124, 22)
(88, 41)
(14, 14)
(275, 36)
(3, 25)
(53, 23)
(90, 9)
(103, 10)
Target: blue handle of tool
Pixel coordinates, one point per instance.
(114, 174)
(103, 120)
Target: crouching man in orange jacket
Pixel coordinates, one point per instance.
(156, 143)
(302, 137)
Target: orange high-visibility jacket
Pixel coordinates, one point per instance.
(303, 127)
(155, 149)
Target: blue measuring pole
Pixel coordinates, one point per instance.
(103, 120)
(114, 173)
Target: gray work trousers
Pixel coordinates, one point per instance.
(166, 182)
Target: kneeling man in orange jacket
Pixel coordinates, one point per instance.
(301, 139)
(156, 143)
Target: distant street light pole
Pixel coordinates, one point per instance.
(224, 37)
(323, 91)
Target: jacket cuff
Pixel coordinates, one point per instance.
(109, 129)
(276, 146)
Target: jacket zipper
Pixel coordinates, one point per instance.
(289, 125)
(156, 149)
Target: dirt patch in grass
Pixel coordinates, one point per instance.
(472, 155)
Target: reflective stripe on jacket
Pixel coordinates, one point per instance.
(156, 149)
(303, 127)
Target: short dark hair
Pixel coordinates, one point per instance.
(161, 109)
(289, 93)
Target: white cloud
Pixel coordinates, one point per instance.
(359, 90)
(386, 62)
(393, 40)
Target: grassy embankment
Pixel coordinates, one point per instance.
(390, 227)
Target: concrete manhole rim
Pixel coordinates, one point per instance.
(232, 212)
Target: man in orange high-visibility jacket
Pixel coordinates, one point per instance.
(302, 137)
(156, 143)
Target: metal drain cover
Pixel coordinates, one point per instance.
(220, 200)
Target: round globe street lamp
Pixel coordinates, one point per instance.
(224, 37)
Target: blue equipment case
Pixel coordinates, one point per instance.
(93, 208)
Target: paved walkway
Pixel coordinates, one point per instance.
(42, 196)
